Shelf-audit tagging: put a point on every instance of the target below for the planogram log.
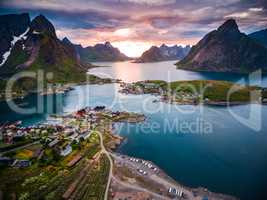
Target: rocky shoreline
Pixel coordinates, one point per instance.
(134, 176)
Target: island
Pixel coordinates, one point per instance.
(196, 92)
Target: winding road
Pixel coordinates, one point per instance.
(108, 154)
(104, 151)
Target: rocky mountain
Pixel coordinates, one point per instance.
(174, 52)
(35, 46)
(226, 50)
(99, 52)
(163, 53)
(260, 37)
(77, 48)
(151, 55)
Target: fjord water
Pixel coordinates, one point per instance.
(230, 158)
(132, 72)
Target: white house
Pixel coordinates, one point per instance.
(66, 151)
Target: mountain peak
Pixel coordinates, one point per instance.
(153, 47)
(229, 25)
(108, 44)
(163, 45)
(43, 25)
(41, 19)
(66, 40)
(226, 50)
(163, 53)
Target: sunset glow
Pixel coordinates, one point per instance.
(134, 25)
(132, 49)
(125, 32)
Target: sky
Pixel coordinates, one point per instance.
(134, 25)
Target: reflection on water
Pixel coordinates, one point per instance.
(132, 72)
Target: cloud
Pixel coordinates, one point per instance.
(153, 21)
(255, 9)
(152, 2)
(238, 15)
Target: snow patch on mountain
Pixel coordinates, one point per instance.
(13, 42)
(36, 32)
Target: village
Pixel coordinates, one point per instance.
(54, 153)
(68, 130)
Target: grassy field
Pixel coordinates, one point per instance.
(208, 89)
(51, 178)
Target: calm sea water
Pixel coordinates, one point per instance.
(218, 151)
(132, 72)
